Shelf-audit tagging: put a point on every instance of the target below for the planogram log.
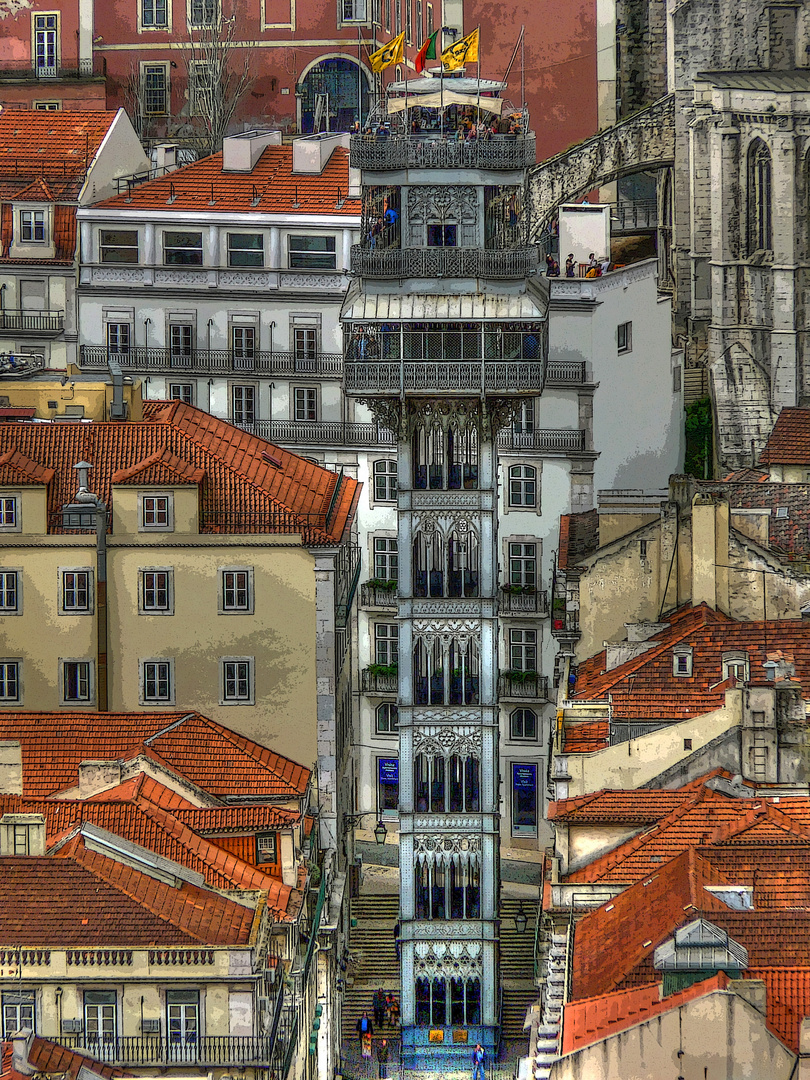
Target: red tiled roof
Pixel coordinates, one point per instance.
(789, 441)
(216, 820)
(51, 1057)
(789, 535)
(579, 536)
(593, 1019)
(271, 188)
(162, 467)
(788, 1000)
(242, 490)
(215, 759)
(50, 144)
(144, 787)
(16, 468)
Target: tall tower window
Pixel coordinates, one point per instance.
(759, 198)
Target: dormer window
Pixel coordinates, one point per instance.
(32, 227)
(735, 666)
(682, 661)
(156, 513)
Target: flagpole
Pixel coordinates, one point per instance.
(441, 82)
(478, 117)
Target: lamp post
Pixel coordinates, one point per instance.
(351, 821)
(520, 919)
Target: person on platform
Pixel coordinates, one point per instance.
(478, 1062)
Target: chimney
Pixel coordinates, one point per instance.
(11, 776)
(165, 158)
(118, 407)
(311, 153)
(710, 524)
(241, 152)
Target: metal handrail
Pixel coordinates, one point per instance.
(212, 361)
(514, 262)
(429, 150)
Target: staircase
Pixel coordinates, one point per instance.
(546, 1049)
(517, 966)
(372, 960)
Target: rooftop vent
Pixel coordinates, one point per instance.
(241, 152)
(311, 154)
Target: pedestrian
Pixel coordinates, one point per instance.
(365, 1029)
(393, 1012)
(593, 262)
(605, 267)
(478, 1062)
(570, 264)
(382, 1058)
(549, 265)
(378, 1006)
(397, 929)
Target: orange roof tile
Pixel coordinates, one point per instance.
(579, 536)
(50, 144)
(224, 819)
(789, 441)
(788, 1000)
(271, 188)
(51, 1057)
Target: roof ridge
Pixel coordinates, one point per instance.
(754, 815)
(233, 737)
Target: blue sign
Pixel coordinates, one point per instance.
(524, 777)
(524, 800)
(388, 770)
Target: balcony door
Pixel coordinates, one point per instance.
(183, 1023)
(45, 45)
(100, 1021)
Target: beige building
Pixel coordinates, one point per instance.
(75, 395)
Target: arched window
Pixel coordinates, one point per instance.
(759, 197)
(522, 485)
(431, 1002)
(462, 454)
(336, 84)
(464, 787)
(464, 676)
(428, 565)
(385, 481)
(428, 674)
(428, 458)
(387, 719)
(429, 783)
(462, 564)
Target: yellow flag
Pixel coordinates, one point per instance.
(461, 52)
(392, 53)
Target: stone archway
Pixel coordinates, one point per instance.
(339, 83)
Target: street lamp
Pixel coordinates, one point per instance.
(351, 821)
(520, 919)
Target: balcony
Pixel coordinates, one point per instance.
(214, 362)
(517, 262)
(376, 680)
(319, 433)
(31, 71)
(15, 321)
(502, 152)
(564, 623)
(560, 373)
(546, 440)
(517, 600)
(378, 595)
(436, 377)
(523, 686)
(230, 1051)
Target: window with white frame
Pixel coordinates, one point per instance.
(33, 227)
(243, 344)
(9, 517)
(682, 661)
(118, 245)
(100, 1016)
(46, 45)
(523, 650)
(77, 682)
(245, 249)
(523, 423)
(419, 28)
(156, 512)
(312, 252)
(386, 558)
(154, 14)
(47, 106)
(624, 335)
(236, 677)
(266, 848)
(386, 719)
(243, 404)
(385, 481)
(181, 343)
(155, 92)
(386, 644)
(9, 592)
(523, 724)
(409, 21)
(522, 485)
(157, 682)
(523, 565)
(118, 337)
(305, 343)
(306, 403)
(735, 666)
(10, 682)
(182, 391)
(157, 591)
(182, 248)
(353, 10)
(19, 1011)
(203, 12)
(236, 590)
(76, 592)
(201, 86)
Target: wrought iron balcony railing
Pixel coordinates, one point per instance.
(427, 376)
(233, 1051)
(560, 441)
(516, 262)
(526, 686)
(213, 361)
(318, 432)
(520, 600)
(32, 322)
(442, 341)
(565, 372)
(565, 624)
(375, 682)
(377, 596)
(431, 151)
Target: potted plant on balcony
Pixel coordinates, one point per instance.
(388, 585)
(518, 675)
(382, 669)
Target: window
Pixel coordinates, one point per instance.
(429, 19)
(118, 337)
(47, 106)
(32, 227)
(19, 1011)
(408, 21)
(385, 481)
(182, 248)
(306, 403)
(181, 343)
(523, 650)
(155, 89)
(523, 724)
(624, 336)
(439, 235)
(782, 512)
(735, 666)
(77, 592)
(154, 14)
(387, 719)
(386, 644)
(182, 391)
(759, 197)
(386, 559)
(305, 342)
(200, 89)
(236, 674)
(245, 249)
(203, 12)
(183, 1017)
(354, 10)
(156, 592)
(9, 592)
(77, 685)
(441, 1001)
(522, 485)
(236, 591)
(419, 28)
(387, 786)
(524, 799)
(46, 29)
(312, 253)
(100, 1015)
(243, 404)
(157, 682)
(8, 512)
(523, 424)
(387, 14)
(243, 345)
(156, 512)
(523, 565)
(266, 848)
(10, 682)
(118, 246)
(682, 661)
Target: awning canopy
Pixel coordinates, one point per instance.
(424, 307)
(441, 99)
(461, 85)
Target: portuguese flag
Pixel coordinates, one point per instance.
(427, 52)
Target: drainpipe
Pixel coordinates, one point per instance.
(85, 497)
